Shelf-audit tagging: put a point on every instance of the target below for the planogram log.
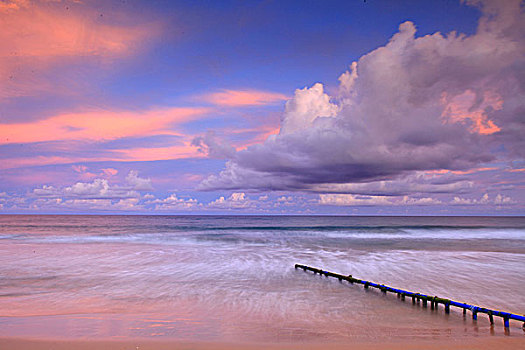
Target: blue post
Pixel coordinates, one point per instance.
(417, 297)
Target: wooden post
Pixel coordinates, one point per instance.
(423, 298)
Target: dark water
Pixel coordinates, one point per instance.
(232, 278)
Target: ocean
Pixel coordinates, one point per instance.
(232, 278)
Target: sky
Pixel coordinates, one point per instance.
(262, 107)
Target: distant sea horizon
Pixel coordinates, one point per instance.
(249, 214)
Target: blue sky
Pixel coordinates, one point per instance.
(256, 107)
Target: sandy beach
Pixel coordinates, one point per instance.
(195, 283)
(140, 344)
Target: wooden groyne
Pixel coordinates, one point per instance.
(423, 298)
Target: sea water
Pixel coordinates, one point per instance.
(232, 278)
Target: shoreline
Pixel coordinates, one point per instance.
(502, 343)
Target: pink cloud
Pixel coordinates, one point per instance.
(109, 171)
(241, 98)
(459, 172)
(12, 5)
(98, 125)
(36, 35)
(263, 133)
(83, 171)
(124, 155)
(79, 168)
(476, 170)
(160, 153)
(193, 177)
(437, 172)
(464, 107)
(215, 146)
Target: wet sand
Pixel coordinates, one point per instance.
(500, 343)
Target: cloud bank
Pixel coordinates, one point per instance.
(415, 105)
(98, 189)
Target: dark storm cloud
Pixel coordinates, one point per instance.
(414, 105)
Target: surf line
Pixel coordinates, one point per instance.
(434, 300)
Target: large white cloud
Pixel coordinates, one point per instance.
(416, 104)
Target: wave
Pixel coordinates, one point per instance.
(299, 235)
